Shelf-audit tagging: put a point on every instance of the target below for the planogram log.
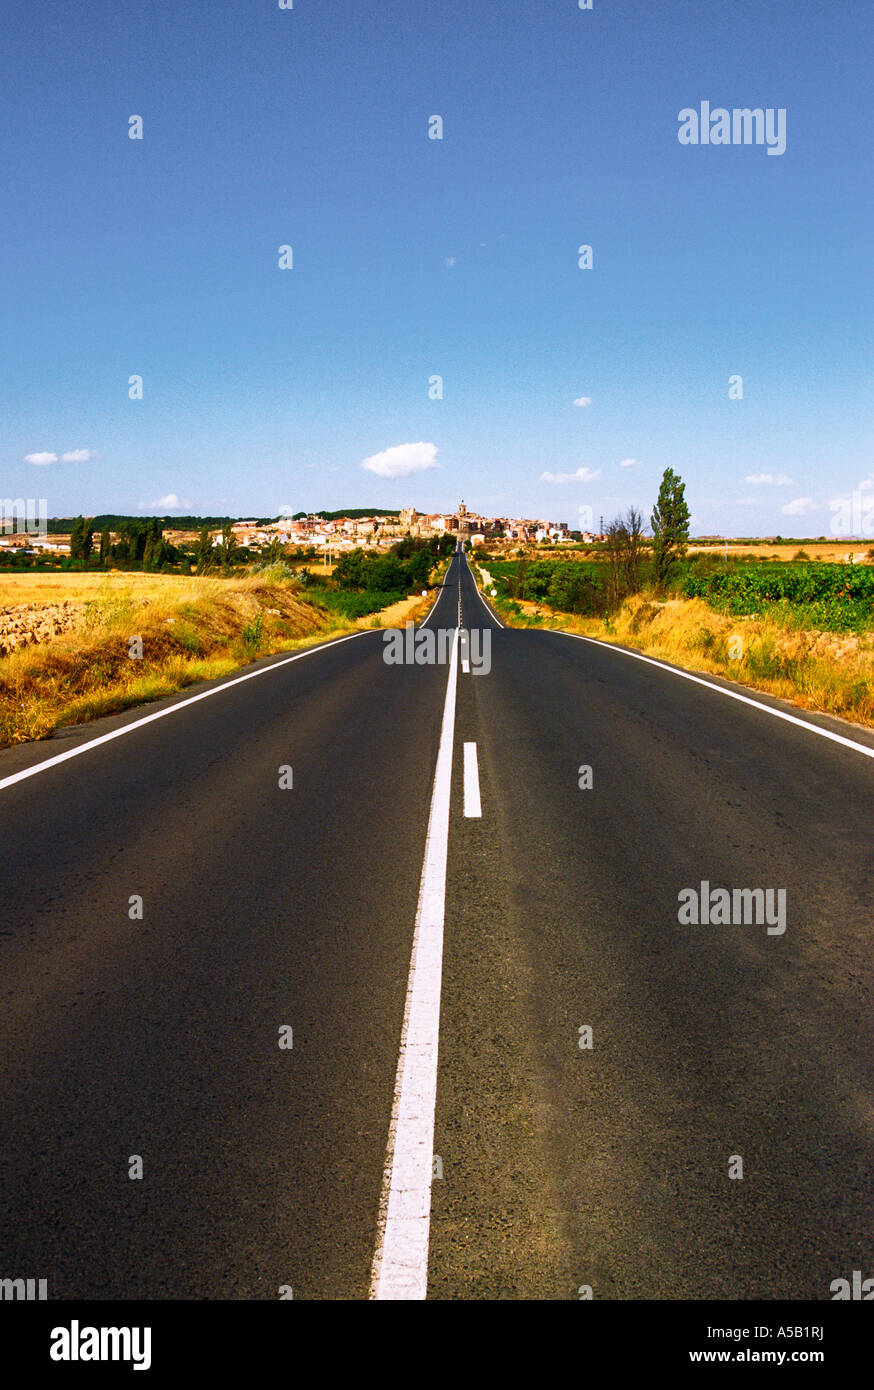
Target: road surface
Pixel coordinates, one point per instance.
(558, 1167)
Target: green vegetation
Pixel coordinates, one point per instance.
(572, 586)
(404, 568)
(345, 603)
(113, 521)
(670, 525)
(831, 597)
(828, 596)
(251, 635)
(363, 581)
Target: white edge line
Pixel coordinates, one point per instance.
(721, 690)
(437, 599)
(170, 709)
(472, 804)
(400, 1262)
(491, 614)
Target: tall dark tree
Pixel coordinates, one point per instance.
(228, 544)
(76, 538)
(670, 524)
(87, 538)
(105, 546)
(204, 550)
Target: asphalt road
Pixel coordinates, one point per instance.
(556, 1166)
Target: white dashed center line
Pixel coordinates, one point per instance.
(472, 805)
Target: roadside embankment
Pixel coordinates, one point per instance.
(832, 672)
(138, 637)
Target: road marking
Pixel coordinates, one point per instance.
(161, 713)
(425, 621)
(472, 805)
(492, 615)
(732, 694)
(400, 1264)
(464, 649)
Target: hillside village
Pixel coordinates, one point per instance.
(342, 533)
(345, 533)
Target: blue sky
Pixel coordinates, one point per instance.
(265, 388)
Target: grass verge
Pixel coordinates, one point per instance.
(188, 630)
(832, 672)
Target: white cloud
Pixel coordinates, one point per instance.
(583, 400)
(402, 460)
(79, 456)
(450, 260)
(775, 479)
(799, 506)
(629, 463)
(582, 475)
(170, 503)
(71, 456)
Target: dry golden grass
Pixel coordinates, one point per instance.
(192, 629)
(828, 671)
(81, 587)
(397, 614)
(316, 569)
(836, 551)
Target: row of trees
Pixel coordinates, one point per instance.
(139, 543)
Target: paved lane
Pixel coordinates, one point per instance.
(261, 907)
(609, 1167)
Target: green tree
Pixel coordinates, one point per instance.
(519, 579)
(670, 524)
(105, 546)
(349, 571)
(87, 538)
(76, 538)
(227, 545)
(203, 551)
